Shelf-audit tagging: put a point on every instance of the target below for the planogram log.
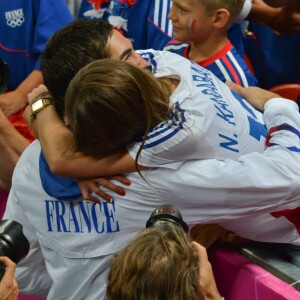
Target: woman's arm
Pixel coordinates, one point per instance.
(57, 141)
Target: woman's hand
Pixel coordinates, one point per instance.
(90, 187)
(40, 92)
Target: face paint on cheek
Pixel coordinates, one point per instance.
(191, 24)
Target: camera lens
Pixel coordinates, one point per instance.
(13, 243)
(166, 213)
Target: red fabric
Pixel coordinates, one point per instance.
(237, 278)
(293, 215)
(21, 125)
(98, 3)
(220, 54)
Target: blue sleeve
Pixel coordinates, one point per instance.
(275, 58)
(148, 24)
(85, 6)
(38, 64)
(236, 38)
(50, 16)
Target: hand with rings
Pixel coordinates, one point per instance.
(90, 187)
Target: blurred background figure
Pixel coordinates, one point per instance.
(275, 58)
(25, 26)
(144, 22)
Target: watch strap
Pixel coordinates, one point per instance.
(45, 102)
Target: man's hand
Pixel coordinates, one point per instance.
(9, 289)
(12, 102)
(256, 96)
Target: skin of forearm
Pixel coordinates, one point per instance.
(34, 79)
(55, 138)
(79, 165)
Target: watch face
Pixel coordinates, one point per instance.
(37, 105)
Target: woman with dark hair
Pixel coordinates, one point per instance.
(182, 113)
(175, 116)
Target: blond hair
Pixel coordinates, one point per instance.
(160, 263)
(233, 6)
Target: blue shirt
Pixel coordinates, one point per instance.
(148, 25)
(25, 26)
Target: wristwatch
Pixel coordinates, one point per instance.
(38, 105)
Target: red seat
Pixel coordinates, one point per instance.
(288, 90)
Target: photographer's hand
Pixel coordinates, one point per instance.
(208, 287)
(9, 288)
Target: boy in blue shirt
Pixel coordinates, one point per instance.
(200, 29)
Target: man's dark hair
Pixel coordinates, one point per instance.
(70, 49)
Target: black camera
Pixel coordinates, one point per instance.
(167, 214)
(13, 243)
(4, 75)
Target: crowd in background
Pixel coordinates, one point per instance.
(261, 49)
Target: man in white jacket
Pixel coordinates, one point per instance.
(72, 240)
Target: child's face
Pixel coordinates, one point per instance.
(190, 22)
